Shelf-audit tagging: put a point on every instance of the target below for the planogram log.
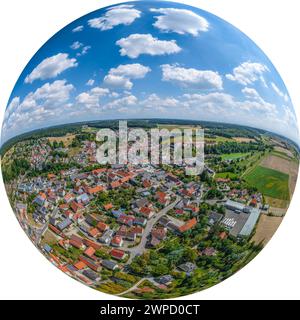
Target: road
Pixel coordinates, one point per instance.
(138, 250)
(132, 288)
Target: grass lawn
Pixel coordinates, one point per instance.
(269, 182)
(233, 156)
(226, 175)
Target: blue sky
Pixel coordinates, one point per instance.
(148, 60)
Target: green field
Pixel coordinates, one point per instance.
(233, 156)
(225, 175)
(269, 182)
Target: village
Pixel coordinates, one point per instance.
(95, 222)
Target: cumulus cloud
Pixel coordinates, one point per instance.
(137, 44)
(115, 16)
(187, 77)
(51, 67)
(91, 98)
(127, 101)
(248, 73)
(78, 29)
(121, 76)
(40, 105)
(279, 92)
(181, 21)
(153, 101)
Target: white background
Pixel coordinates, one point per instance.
(25, 25)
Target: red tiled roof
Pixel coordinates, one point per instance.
(102, 226)
(93, 232)
(79, 265)
(108, 206)
(118, 254)
(188, 225)
(95, 189)
(89, 251)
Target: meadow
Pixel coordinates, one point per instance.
(269, 182)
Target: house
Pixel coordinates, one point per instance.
(188, 225)
(76, 242)
(76, 206)
(108, 206)
(106, 237)
(159, 233)
(140, 203)
(165, 280)
(146, 212)
(140, 221)
(223, 235)
(122, 231)
(83, 198)
(108, 264)
(69, 197)
(64, 224)
(125, 219)
(187, 267)
(98, 172)
(92, 275)
(91, 243)
(79, 265)
(117, 254)
(131, 236)
(40, 199)
(47, 248)
(162, 197)
(137, 230)
(90, 251)
(93, 232)
(95, 190)
(102, 226)
(117, 241)
(90, 263)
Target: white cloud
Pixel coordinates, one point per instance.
(137, 44)
(251, 93)
(188, 77)
(256, 101)
(121, 76)
(180, 21)
(51, 67)
(90, 82)
(115, 16)
(91, 98)
(153, 101)
(84, 51)
(44, 103)
(248, 72)
(78, 29)
(123, 102)
(279, 92)
(113, 81)
(76, 45)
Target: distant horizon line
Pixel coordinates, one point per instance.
(164, 119)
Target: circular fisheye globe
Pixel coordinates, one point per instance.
(149, 150)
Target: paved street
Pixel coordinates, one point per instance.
(138, 250)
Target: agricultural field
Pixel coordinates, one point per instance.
(67, 139)
(269, 182)
(233, 156)
(266, 227)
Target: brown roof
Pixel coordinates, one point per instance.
(188, 225)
